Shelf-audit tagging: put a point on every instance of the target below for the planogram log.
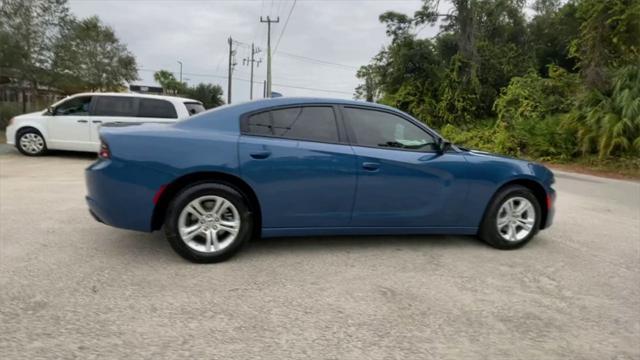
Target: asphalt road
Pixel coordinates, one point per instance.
(73, 288)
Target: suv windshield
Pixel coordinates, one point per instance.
(194, 108)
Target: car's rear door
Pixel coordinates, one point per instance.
(403, 181)
(112, 109)
(299, 164)
(156, 110)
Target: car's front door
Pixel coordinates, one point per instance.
(403, 180)
(296, 161)
(68, 127)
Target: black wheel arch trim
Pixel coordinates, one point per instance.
(191, 179)
(536, 188)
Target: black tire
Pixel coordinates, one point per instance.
(33, 133)
(183, 198)
(489, 228)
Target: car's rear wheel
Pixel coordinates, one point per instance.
(31, 143)
(208, 222)
(512, 219)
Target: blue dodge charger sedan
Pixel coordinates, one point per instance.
(306, 166)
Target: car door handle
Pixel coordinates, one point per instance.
(260, 154)
(370, 166)
(97, 121)
(82, 121)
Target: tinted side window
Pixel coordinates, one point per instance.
(259, 124)
(314, 123)
(382, 129)
(156, 108)
(116, 106)
(74, 107)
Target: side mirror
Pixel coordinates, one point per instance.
(444, 145)
(50, 110)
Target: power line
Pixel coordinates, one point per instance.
(284, 27)
(259, 82)
(318, 61)
(314, 89)
(258, 27)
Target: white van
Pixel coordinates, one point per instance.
(72, 123)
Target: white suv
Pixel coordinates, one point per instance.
(72, 123)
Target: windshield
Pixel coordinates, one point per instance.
(194, 108)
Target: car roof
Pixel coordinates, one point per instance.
(238, 109)
(280, 101)
(256, 105)
(131, 94)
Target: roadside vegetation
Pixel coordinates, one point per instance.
(559, 82)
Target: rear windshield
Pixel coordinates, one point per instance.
(194, 108)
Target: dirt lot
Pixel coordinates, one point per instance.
(73, 288)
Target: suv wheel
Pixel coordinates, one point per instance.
(208, 222)
(31, 143)
(512, 219)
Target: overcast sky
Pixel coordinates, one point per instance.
(161, 32)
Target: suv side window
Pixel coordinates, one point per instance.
(375, 128)
(125, 106)
(194, 108)
(156, 108)
(77, 106)
(312, 123)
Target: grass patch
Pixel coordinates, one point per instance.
(620, 168)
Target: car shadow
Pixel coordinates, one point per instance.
(354, 243)
(11, 150)
(72, 154)
(155, 246)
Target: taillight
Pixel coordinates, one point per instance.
(104, 152)
(11, 121)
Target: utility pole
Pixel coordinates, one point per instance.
(231, 66)
(251, 61)
(369, 88)
(180, 62)
(269, 21)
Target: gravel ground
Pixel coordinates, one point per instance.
(73, 288)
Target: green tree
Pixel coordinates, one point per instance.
(210, 95)
(460, 90)
(609, 38)
(551, 31)
(606, 116)
(105, 64)
(29, 30)
(168, 81)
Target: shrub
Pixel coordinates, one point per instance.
(480, 136)
(531, 115)
(608, 122)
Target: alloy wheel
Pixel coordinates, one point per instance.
(32, 143)
(516, 219)
(209, 224)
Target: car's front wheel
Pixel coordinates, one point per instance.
(208, 222)
(512, 219)
(31, 143)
